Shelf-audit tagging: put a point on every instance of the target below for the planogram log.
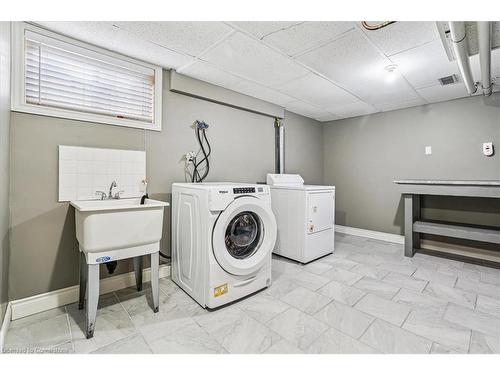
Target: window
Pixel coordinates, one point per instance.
(56, 76)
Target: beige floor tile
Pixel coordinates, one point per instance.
(297, 327)
(344, 318)
(236, 332)
(130, 345)
(342, 276)
(488, 305)
(420, 301)
(377, 287)
(382, 308)
(342, 293)
(450, 294)
(336, 342)
(407, 282)
(41, 334)
(262, 307)
(432, 326)
(306, 300)
(475, 320)
(388, 338)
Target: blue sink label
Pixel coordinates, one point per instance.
(103, 259)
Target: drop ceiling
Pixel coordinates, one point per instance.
(322, 70)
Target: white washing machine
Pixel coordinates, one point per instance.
(223, 235)
(305, 215)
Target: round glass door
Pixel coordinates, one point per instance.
(243, 235)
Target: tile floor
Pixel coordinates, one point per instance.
(366, 298)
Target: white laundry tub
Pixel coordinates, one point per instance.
(103, 225)
(110, 230)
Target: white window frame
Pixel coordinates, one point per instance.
(19, 103)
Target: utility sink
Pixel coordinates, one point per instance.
(103, 225)
(114, 229)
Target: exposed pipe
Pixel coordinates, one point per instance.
(378, 26)
(484, 39)
(279, 151)
(459, 43)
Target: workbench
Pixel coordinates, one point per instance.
(414, 225)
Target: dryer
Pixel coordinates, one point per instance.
(305, 215)
(223, 235)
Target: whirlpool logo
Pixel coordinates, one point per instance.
(223, 191)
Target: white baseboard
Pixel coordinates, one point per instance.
(382, 236)
(5, 326)
(61, 297)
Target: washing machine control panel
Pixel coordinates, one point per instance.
(244, 190)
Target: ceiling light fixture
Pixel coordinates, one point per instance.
(391, 70)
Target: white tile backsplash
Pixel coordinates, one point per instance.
(84, 170)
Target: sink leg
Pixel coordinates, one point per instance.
(155, 280)
(92, 297)
(83, 280)
(138, 272)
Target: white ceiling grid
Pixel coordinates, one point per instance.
(322, 70)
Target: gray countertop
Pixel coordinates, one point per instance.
(460, 188)
(449, 182)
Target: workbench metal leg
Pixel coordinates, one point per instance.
(83, 280)
(92, 297)
(138, 272)
(155, 280)
(412, 213)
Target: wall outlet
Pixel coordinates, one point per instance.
(428, 150)
(488, 149)
(190, 156)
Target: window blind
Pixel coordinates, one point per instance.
(59, 77)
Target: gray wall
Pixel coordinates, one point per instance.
(363, 155)
(44, 253)
(4, 162)
(44, 250)
(304, 147)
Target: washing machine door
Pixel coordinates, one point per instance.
(244, 236)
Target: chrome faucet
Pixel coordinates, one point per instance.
(102, 194)
(110, 195)
(117, 194)
(113, 185)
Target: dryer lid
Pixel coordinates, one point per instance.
(289, 180)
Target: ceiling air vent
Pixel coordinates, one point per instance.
(448, 80)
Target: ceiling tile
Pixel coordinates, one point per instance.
(208, 73)
(186, 37)
(398, 105)
(351, 110)
(353, 63)
(306, 109)
(247, 57)
(318, 91)
(422, 66)
(401, 36)
(328, 117)
(104, 34)
(440, 93)
(261, 92)
(262, 28)
(304, 36)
